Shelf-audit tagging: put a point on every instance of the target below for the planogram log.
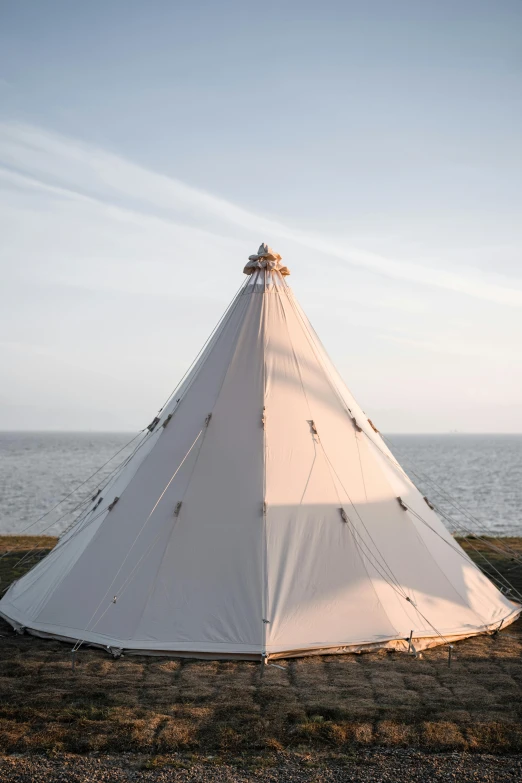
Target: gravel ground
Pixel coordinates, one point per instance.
(372, 766)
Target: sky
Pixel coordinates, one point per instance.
(146, 149)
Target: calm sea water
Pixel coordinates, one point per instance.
(482, 474)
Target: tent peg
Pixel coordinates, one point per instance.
(263, 662)
(411, 646)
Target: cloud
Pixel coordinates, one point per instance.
(444, 344)
(68, 169)
(113, 276)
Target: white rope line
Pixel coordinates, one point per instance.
(129, 578)
(193, 371)
(320, 358)
(393, 461)
(461, 553)
(469, 541)
(384, 564)
(228, 312)
(19, 533)
(485, 541)
(344, 406)
(20, 547)
(88, 522)
(399, 587)
(501, 579)
(351, 528)
(78, 644)
(83, 522)
(54, 549)
(444, 493)
(310, 341)
(453, 502)
(80, 518)
(382, 557)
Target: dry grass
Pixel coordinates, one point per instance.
(157, 705)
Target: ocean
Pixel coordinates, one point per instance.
(476, 480)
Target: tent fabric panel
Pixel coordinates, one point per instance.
(320, 592)
(209, 585)
(109, 543)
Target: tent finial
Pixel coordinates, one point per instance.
(265, 258)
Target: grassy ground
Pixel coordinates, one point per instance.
(156, 705)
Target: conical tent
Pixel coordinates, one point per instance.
(260, 516)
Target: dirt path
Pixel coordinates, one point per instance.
(372, 766)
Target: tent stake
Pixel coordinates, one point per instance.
(450, 648)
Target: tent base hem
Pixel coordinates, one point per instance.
(420, 643)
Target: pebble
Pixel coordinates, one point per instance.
(361, 766)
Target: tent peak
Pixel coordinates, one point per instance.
(265, 252)
(265, 258)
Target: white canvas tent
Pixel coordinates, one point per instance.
(260, 516)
